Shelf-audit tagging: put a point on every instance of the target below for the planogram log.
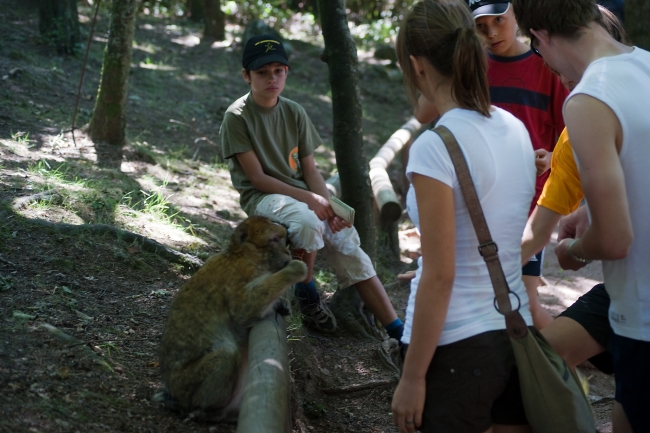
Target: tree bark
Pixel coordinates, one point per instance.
(108, 123)
(637, 17)
(58, 23)
(341, 57)
(195, 9)
(215, 21)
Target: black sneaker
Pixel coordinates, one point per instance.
(318, 316)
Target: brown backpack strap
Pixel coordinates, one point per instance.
(487, 248)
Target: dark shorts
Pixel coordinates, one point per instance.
(591, 311)
(632, 380)
(534, 266)
(472, 384)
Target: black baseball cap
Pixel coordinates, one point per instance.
(481, 8)
(261, 50)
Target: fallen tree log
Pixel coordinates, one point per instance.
(265, 405)
(390, 209)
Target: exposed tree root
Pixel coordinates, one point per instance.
(360, 387)
(149, 245)
(347, 306)
(70, 340)
(7, 262)
(22, 202)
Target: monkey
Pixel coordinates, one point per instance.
(203, 352)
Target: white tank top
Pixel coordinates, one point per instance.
(623, 83)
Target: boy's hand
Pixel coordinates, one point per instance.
(337, 224)
(564, 258)
(573, 225)
(321, 207)
(542, 161)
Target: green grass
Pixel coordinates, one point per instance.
(99, 199)
(6, 283)
(326, 280)
(21, 137)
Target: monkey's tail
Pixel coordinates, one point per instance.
(163, 397)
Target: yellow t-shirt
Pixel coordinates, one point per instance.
(562, 191)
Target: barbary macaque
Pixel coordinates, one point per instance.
(203, 354)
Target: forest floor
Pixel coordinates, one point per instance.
(82, 309)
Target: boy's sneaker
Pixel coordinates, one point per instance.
(390, 353)
(318, 316)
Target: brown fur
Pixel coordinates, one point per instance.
(203, 349)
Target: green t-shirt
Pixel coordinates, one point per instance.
(280, 136)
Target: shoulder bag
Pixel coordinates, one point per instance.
(553, 399)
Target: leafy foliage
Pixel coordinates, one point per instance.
(373, 20)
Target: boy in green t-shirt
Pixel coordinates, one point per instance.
(269, 142)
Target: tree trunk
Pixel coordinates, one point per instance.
(341, 57)
(195, 10)
(215, 21)
(58, 24)
(637, 17)
(108, 123)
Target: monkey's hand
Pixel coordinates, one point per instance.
(295, 271)
(282, 307)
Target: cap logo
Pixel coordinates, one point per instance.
(268, 43)
(473, 2)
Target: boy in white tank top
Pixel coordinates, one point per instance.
(606, 116)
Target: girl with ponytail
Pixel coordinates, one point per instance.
(459, 372)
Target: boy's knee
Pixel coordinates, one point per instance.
(306, 231)
(309, 221)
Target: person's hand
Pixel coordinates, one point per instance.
(564, 258)
(542, 161)
(408, 404)
(406, 276)
(573, 225)
(321, 207)
(337, 223)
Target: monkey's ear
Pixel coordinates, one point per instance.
(240, 235)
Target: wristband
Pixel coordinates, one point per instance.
(574, 257)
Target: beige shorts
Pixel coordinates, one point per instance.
(342, 250)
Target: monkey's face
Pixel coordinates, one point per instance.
(267, 237)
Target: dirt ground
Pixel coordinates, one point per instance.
(82, 310)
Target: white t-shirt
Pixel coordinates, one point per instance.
(623, 83)
(502, 164)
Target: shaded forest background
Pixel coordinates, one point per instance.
(81, 243)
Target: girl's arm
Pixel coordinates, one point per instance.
(438, 235)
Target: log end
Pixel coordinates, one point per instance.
(390, 212)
